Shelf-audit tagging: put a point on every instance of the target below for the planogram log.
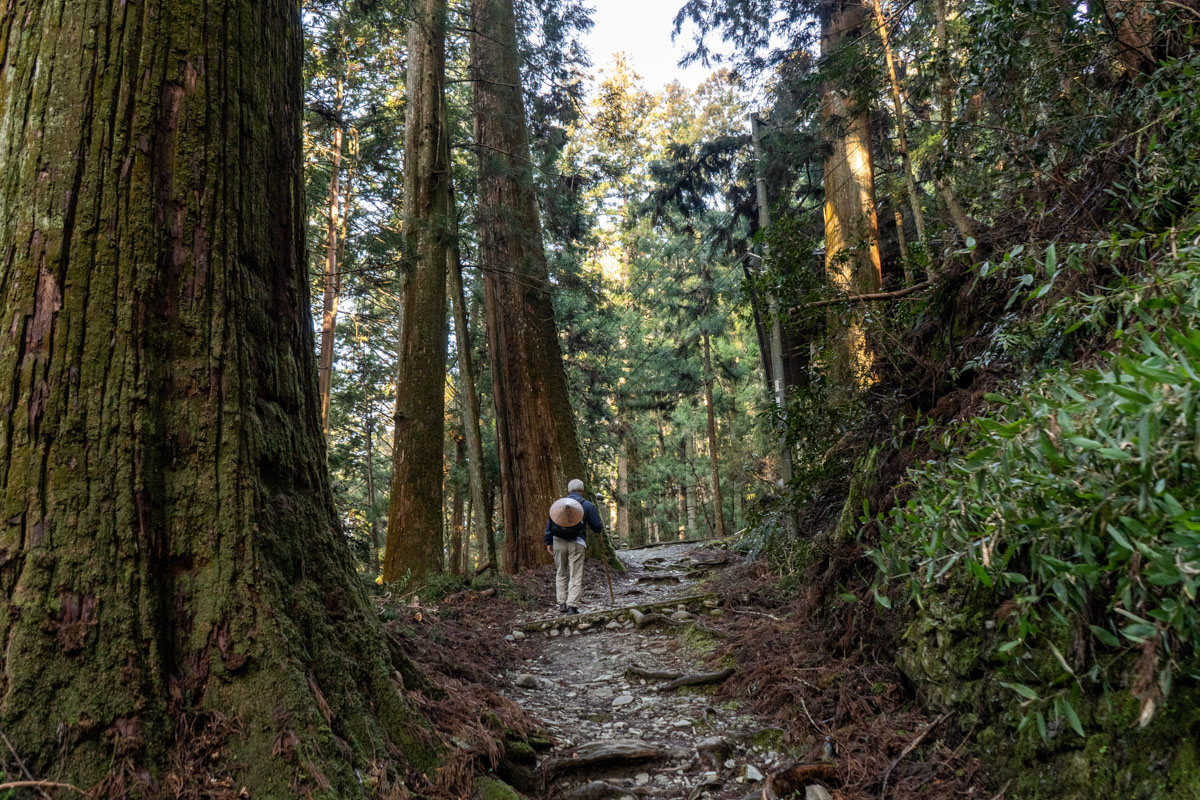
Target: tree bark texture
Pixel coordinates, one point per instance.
(852, 259)
(538, 445)
(170, 555)
(414, 532)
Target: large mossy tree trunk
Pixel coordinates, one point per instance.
(538, 447)
(171, 566)
(414, 534)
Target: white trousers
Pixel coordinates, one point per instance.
(568, 579)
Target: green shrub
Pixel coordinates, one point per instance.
(1079, 502)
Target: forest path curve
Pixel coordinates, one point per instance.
(673, 744)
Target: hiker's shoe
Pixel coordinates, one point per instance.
(562, 608)
(572, 610)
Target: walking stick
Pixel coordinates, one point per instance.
(604, 556)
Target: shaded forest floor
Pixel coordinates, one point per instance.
(580, 708)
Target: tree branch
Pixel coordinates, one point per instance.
(866, 298)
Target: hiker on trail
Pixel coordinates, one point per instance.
(566, 540)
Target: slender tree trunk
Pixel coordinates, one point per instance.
(414, 537)
(538, 447)
(776, 372)
(623, 492)
(637, 515)
(467, 563)
(852, 259)
(760, 327)
(914, 198)
(332, 250)
(493, 553)
(372, 514)
(958, 216)
(470, 401)
(172, 558)
(689, 484)
(684, 507)
(718, 503)
(456, 513)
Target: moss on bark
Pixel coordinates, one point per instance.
(169, 551)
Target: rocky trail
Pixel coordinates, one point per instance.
(626, 696)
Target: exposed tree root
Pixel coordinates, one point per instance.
(698, 679)
(610, 613)
(607, 753)
(650, 674)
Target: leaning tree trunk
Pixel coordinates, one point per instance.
(538, 447)
(414, 532)
(852, 259)
(171, 565)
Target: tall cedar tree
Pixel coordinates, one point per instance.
(852, 259)
(171, 556)
(414, 533)
(538, 447)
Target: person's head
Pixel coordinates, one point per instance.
(575, 485)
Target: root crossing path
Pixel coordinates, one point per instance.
(626, 693)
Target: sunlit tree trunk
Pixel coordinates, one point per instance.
(538, 447)
(852, 259)
(414, 532)
(171, 557)
(1134, 22)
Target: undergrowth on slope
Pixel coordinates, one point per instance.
(1077, 499)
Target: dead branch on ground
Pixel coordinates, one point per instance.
(920, 737)
(697, 679)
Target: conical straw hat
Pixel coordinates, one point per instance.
(566, 512)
